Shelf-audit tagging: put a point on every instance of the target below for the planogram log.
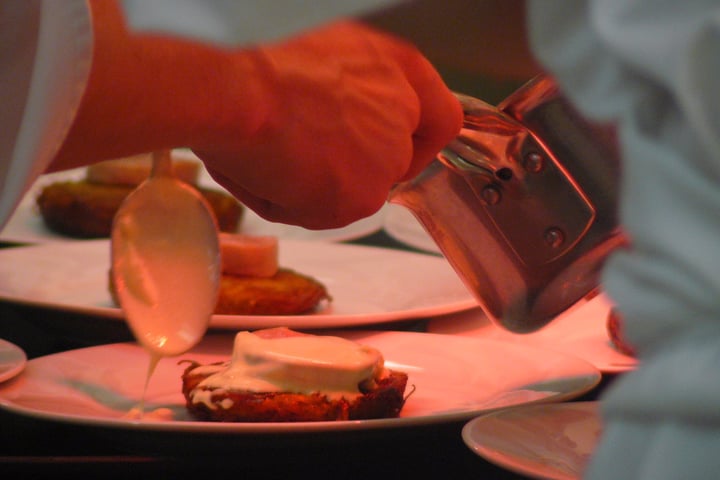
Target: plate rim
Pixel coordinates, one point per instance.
(590, 377)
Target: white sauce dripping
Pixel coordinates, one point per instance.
(166, 263)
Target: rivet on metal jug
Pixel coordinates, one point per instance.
(523, 204)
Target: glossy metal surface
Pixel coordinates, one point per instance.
(522, 204)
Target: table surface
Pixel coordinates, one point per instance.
(33, 448)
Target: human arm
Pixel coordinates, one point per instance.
(346, 129)
(313, 130)
(150, 92)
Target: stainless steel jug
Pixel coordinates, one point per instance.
(523, 204)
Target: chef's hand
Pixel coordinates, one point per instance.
(346, 112)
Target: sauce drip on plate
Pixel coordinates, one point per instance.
(166, 263)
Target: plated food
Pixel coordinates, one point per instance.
(85, 207)
(253, 283)
(288, 292)
(280, 375)
(95, 387)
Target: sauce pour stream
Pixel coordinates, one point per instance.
(166, 266)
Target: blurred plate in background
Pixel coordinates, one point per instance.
(26, 225)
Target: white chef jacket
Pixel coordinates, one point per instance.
(45, 54)
(241, 21)
(654, 66)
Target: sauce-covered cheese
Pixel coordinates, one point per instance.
(304, 364)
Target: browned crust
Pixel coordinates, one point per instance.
(80, 209)
(384, 399)
(286, 293)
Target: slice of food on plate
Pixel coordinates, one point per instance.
(249, 255)
(85, 208)
(280, 375)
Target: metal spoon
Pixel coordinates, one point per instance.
(166, 262)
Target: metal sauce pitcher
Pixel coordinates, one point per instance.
(523, 204)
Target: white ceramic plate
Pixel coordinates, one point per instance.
(401, 224)
(12, 360)
(454, 379)
(26, 225)
(368, 285)
(543, 441)
(581, 331)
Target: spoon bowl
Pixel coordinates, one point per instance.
(166, 266)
